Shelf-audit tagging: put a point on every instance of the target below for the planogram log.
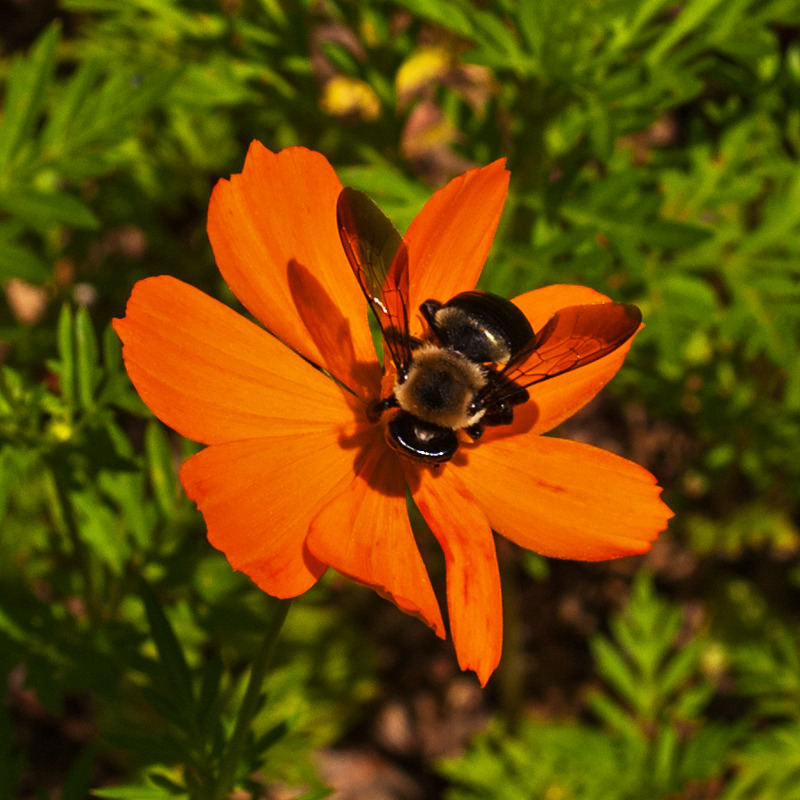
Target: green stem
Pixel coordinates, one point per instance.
(258, 672)
(510, 673)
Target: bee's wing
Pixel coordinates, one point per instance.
(572, 338)
(379, 258)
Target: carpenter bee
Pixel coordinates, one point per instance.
(479, 354)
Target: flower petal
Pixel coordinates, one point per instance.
(449, 240)
(474, 599)
(562, 498)
(364, 533)
(259, 496)
(554, 400)
(540, 304)
(213, 375)
(274, 234)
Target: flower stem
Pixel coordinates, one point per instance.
(510, 672)
(247, 711)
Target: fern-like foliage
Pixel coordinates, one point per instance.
(653, 742)
(767, 671)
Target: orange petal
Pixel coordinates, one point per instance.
(274, 234)
(259, 496)
(213, 375)
(449, 240)
(364, 533)
(540, 304)
(473, 577)
(562, 498)
(557, 399)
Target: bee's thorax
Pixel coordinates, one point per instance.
(440, 387)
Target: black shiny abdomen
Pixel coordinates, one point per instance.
(421, 440)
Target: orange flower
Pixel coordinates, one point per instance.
(296, 478)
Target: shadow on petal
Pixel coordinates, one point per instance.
(331, 331)
(369, 440)
(364, 533)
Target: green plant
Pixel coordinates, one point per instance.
(653, 148)
(653, 741)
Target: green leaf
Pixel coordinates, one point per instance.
(665, 756)
(12, 762)
(28, 82)
(687, 297)
(398, 197)
(690, 17)
(70, 101)
(113, 107)
(18, 261)
(533, 23)
(126, 489)
(711, 749)
(271, 737)
(43, 211)
(9, 627)
(680, 668)
(497, 45)
(150, 744)
(443, 13)
(79, 779)
(317, 794)
(209, 692)
(615, 669)
(112, 351)
(161, 468)
(769, 767)
(66, 351)
(99, 526)
(666, 233)
(137, 792)
(615, 716)
(162, 781)
(178, 679)
(166, 707)
(87, 368)
(642, 664)
(544, 760)
(643, 12)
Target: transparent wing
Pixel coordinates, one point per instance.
(572, 338)
(379, 258)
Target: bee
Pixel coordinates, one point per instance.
(478, 355)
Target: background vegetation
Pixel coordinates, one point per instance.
(653, 147)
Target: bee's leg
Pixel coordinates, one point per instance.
(498, 413)
(501, 414)
(375, 411)
(474, 431)
(428, 310)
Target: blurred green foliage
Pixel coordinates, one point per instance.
(654, 155)
(654, 740)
